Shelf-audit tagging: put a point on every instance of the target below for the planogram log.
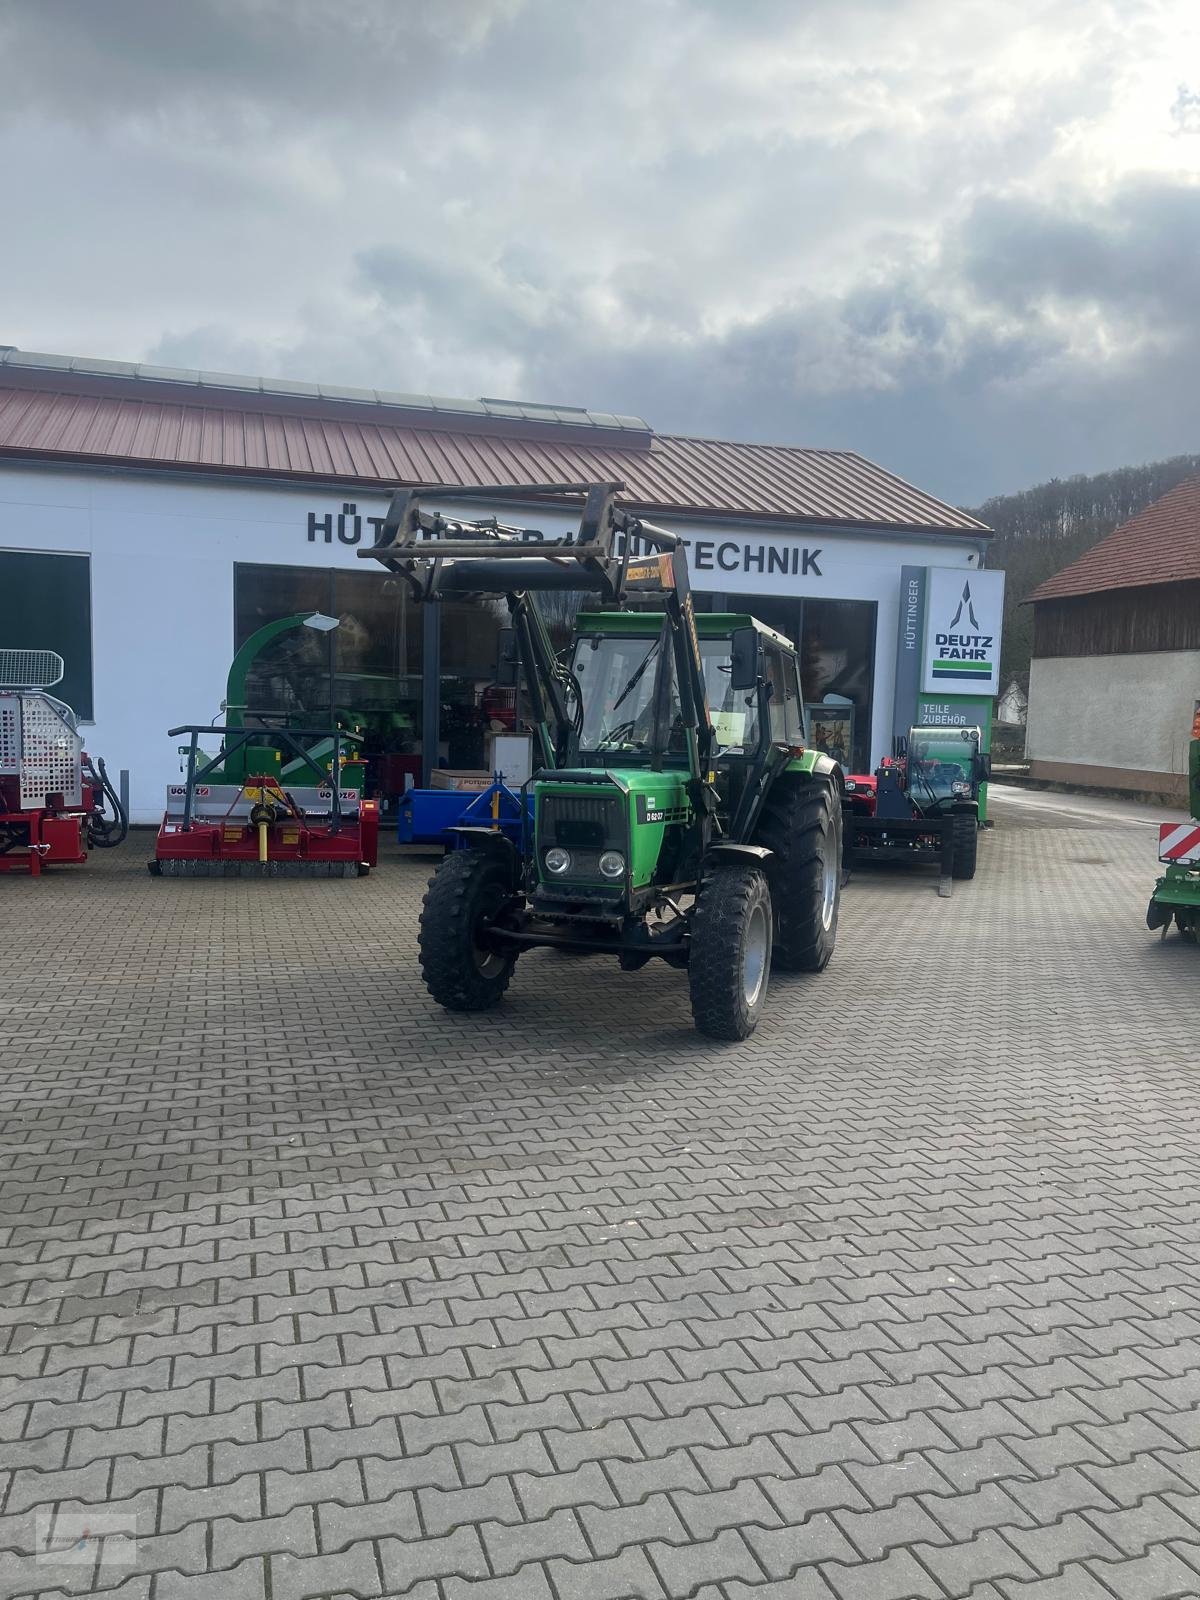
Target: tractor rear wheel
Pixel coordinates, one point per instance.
(729, 966)
(802, 826)
(462, 970)
(966, 844)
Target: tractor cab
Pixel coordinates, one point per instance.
(615, 827)
(944, 766)
(629, 693)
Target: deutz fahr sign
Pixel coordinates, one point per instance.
(964, 612)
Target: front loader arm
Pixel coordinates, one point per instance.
(545, 678)
(439, 555)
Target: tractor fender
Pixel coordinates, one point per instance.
(738, 855)
(488, 840)
(816, 762)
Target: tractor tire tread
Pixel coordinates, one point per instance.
(448, 913)
(799, 815)
(966, 845)
(719, 1009)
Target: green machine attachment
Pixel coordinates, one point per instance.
(248, 759)
(1176, 897)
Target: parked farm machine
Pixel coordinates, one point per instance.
(1176, 897)
(676, 813)
(922, 804)
(277, 798)
(55, 802)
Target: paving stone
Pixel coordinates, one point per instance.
(530, 1583)
(983, 1558)
(513, 1547)
(1072, 1538)
(566, 1272)
(445, 1509)
(684, 1567)
(897, 1577)
(246, 1581)
(1158, 1575)
(1072, 1583)
(797, 1498)
(295, 1577)
(723, 1465)
(234, 1539)
(873, 1533)
(628, 1576)
(343, 1525)
(406, 1563)
(707, 1514)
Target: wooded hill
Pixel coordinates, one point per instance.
(1040, 531)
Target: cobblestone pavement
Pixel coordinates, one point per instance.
(325, 1293)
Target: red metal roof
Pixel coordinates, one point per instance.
(1160, 545)
(138, 422)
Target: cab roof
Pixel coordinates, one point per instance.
(647, 624)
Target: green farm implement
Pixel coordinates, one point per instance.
(676, 813)
(1176, 897)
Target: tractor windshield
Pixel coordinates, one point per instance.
(940, 766)
(617, 678)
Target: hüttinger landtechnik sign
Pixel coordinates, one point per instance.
(964, 612)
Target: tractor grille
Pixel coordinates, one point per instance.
(581, 822)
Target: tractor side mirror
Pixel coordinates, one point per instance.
(985, 767)
(506, 658)
(743, 666)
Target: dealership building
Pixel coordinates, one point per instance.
(152, 519)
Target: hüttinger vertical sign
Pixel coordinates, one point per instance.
(964, 613)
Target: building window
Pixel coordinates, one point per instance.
(370, 664)
(836, 643)
(837, 665)
(369, 667)
(46, 604)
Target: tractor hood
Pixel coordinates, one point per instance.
(593, 815)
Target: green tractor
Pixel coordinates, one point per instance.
(676, 813)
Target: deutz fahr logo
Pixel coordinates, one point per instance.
(966, 656)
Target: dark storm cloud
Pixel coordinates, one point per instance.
(123, 58)
(891, 225)
(1136, 252)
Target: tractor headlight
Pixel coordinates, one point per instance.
(612, 864)
(558, 861)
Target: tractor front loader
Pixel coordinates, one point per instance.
(677, 814)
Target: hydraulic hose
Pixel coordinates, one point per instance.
(107, 832)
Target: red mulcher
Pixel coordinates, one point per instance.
(52, 797)
(229, 818)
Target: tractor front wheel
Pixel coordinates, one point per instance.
(463, 970)
(729, 966)
(966, 844)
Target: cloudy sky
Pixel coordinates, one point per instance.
(962, 236)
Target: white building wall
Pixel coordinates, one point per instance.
(163, 549)
(1130, 712)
